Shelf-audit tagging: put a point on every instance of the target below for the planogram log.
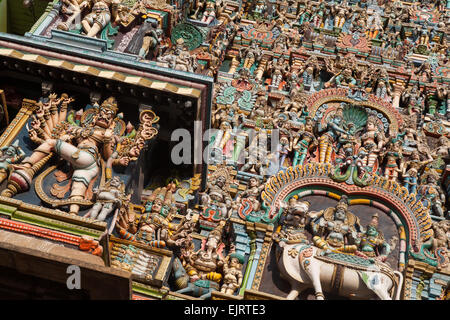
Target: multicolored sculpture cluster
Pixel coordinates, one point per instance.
(330, 144)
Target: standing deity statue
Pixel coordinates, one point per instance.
(210, 12)
(283, 149)
(303, 143)
(372, 142)
(317, 16)
(393, 159)
(278, 70)
(430, 192)
(411, 171)
(414, 100)
(332, 130)
(221, 140)
(340, 13)
(257, 154)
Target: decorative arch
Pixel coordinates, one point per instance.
(391, 197)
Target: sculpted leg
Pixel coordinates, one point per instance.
(94, 30)
(94, 211)
(40, 152)
(106, 210)
(78, 193)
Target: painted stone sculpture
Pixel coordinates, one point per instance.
(81, 140)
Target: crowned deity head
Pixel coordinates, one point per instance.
(341, 209)
(106, 113)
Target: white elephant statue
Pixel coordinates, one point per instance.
(303, 266)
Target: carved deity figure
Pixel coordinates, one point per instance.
(81, 147)
(441, 235)
(83, 140)
(340, 13)
(393, 158)
(293, 221)
(278, 70)
(250, 55)
(72, 9)
(430, 192)
(336, 229)
(283, 149)
(97, 19)
(210, 12)
(373, 244)
(155, 228)
(304, 141)
(221, 139)
(411, 171)
(9, 155)
(151, 39)
(374, 25)
(414, 100)
(332, 130)
(252, 193)
(216, 193)
(108, 198)
(204, 264)
(443, 149)
(156, 225)
(372, 142)
(184, 61)
(345, 78)
(257, 154)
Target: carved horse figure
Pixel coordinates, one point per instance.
(303, 266)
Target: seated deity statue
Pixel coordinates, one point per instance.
(204, 263)
(336, 229)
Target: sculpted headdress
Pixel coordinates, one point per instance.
(110, 104)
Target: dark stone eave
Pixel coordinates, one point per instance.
(113, 58)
